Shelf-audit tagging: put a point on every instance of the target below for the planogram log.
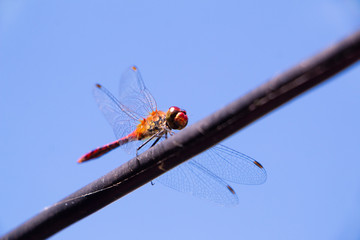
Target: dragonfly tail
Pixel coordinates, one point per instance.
(98, 152)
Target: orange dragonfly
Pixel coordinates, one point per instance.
(136, 121)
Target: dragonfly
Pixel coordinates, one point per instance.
(136, 122)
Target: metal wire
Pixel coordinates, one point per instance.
(190, 141)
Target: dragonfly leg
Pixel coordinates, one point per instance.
(158, 135)
(156, 141)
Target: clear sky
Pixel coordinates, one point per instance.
(198, 55)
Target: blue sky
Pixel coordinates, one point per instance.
(199, 56)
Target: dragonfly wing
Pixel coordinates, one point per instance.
(134, 95)
(232, 165)
(122, 122)
(204, 175)
(191, 177)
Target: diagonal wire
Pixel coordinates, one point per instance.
(190, 141)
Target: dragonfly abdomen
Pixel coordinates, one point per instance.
(98, 152)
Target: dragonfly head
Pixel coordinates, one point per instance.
(176, 118)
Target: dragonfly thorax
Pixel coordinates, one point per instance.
(153, 124)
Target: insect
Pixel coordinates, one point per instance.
(136, 121)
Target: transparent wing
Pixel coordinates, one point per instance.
(204, 176)
(122, 122)
(190, 177)
(134, 95)
(135, 102)
(232, 165)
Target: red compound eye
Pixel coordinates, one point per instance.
(176, 118)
